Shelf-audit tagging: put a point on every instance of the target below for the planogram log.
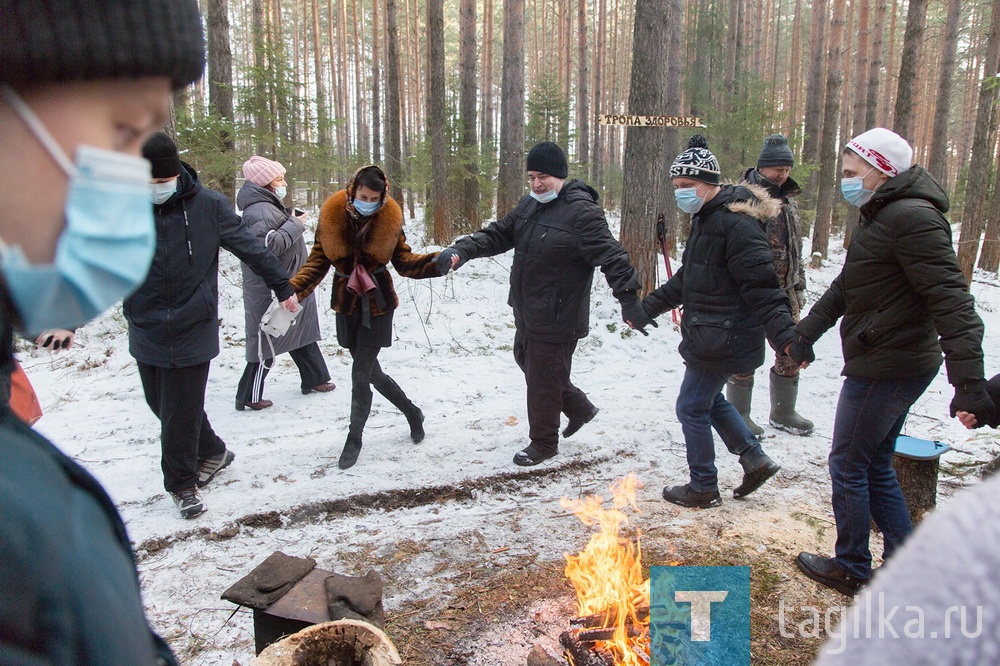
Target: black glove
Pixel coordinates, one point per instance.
(444, 260)
(801, 350)
(971, 396)
(635, 316)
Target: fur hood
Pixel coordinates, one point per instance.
(753, 201)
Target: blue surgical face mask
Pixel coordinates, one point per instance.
(280, 192)
(545, 197)
(365, 208)
(854, 190)
(162, 191)
(106, 246)
(688, 200)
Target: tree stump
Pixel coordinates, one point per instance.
(918, 480)
(339, 643)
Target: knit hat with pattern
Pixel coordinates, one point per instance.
(697, 163)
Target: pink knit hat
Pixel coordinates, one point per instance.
(261, 171)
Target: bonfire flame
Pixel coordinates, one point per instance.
(607, 574)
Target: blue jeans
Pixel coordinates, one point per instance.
(701, 407)
(870, 414)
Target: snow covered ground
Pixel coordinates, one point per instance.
(454, 499)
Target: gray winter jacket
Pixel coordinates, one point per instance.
(282, 234)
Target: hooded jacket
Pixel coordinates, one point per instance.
(901, 289)
(282, 233)
(557, 246)
(173, 318)
(727, 285)
(337, 246)
(784, 231)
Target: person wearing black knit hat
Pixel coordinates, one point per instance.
(732, 301)
(559, 236)
(784, 233)
(83, 83)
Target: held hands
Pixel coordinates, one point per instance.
(291, 304)
(801, 351)
(634, 314)
(449, 259)
(973, 405)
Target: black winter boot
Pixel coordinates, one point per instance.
(757, 469)
(391, 391)
(784, 394)
(738, 393)
(361, 406)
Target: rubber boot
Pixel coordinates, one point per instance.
(738, 393)
(361, 406)
(784, 393)
(391, 391)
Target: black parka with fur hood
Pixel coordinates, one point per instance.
(727, 285)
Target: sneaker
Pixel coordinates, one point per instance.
(687, 496)
(826, 571)
(573, 426)
(209, 467)
(188, 502)
(531, 456)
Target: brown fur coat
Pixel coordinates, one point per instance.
(335, 247)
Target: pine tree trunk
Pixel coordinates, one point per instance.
(828, 151)
(258, 87)
(889, 88)
(322, 115)
(220, 62)
(861, 87)
(600, 100)
(989, 260)
(973, 219)
(436, 130)
(644, 146)
(909, 60)
(582, 92)
(936, 163)
(360, 93)
(377, 36)
(393, 111)
(675, 41)
(813, 126)
(469, 209)
(794, 79)
(510, 183)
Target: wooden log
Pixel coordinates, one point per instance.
(580, 654)
(600, 619)
(602, 634)
(340, 643)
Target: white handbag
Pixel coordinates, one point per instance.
(274, 324)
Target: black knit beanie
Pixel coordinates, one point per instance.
(161, 151)
(697, 163)
(68, 40)
(776, 152)
(548, 158)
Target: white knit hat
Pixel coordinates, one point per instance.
(883, 149)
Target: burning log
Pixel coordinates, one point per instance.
(602, 634)
(604, 619)
(580, 654)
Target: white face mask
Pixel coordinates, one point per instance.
(280, 192)
(545, 197)
(163, 191)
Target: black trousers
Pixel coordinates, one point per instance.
(547, 367)
(177, 397)
(309, 360)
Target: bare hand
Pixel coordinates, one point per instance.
(967, 419)
(455, 259)
(55, 339)
(291, 304)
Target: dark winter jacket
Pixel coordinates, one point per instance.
(901, 289)
(784, 232)
(173, 318)
(335, 247)
(557, 246)
(282, 233)
(727, 285)
(69, 590)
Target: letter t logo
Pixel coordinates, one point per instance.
(701, 610)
